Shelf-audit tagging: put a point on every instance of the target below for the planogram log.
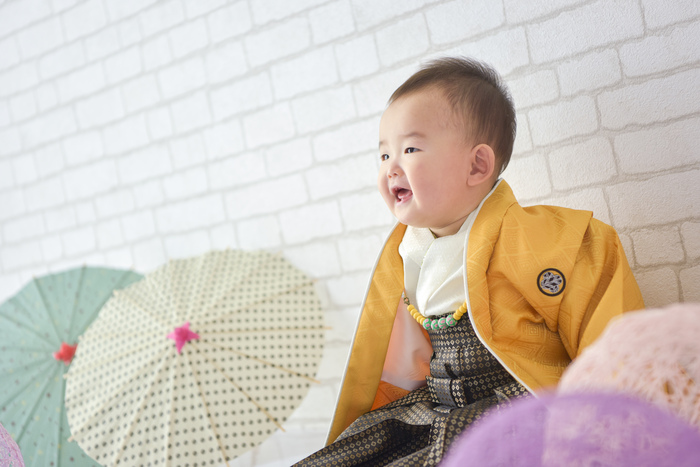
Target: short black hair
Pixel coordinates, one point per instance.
(477, 93)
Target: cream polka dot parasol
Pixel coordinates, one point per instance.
(197, 363)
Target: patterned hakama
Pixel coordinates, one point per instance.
(466, 381)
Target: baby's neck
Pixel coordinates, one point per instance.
(450, 229)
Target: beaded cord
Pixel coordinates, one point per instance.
(439, 323)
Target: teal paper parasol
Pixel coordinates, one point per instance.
(39, 327)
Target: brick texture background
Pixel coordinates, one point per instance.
(135, 131)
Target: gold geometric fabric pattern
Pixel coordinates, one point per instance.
(511, 248)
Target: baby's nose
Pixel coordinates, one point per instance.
(392, 170)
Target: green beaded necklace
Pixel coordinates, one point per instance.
(435, 324)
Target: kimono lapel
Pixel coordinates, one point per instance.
(368, 350)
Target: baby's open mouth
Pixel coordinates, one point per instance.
(401, 194)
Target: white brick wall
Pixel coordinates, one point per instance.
(655, 100)
(402, 39)
(590, 72)
(453, 21)
(136, 131)
(563, 120)
(592, 25)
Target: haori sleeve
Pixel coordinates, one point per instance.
(601, 287)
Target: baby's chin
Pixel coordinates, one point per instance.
(411, 221)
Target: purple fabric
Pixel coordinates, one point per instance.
(10, 455)
(584, 429)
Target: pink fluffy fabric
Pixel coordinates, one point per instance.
(653, 354)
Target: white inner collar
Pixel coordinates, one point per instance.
(434, 268)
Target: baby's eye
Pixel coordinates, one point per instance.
(384, 157)
(410, 150)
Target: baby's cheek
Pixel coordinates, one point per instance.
(381, 182)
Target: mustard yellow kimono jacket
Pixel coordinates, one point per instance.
(542, 282)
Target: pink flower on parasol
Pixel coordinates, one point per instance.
(182, 335)
(65, 353)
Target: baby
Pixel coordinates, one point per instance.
(474, 300)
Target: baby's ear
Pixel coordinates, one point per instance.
(483, 164)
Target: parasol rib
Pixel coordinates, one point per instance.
(236, 286)
(252, 304)
(140, 334)
(75, 301)
(171, 416)
(242, 284)
(177, 304)
(243, 391)
(152, 285)
(63, 432)
(40, 351)
(48, 313)
(30, 378)
(197, 275)
(264, 362)
(115, 394)
(249, 330)
(123, 294)
(25, 422)
(24, 327)
(136, 418)
(125, 277)
(206, 407)
(73, 372)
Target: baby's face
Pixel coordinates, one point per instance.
(425, 163)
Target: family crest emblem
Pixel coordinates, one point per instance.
(551, 282)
